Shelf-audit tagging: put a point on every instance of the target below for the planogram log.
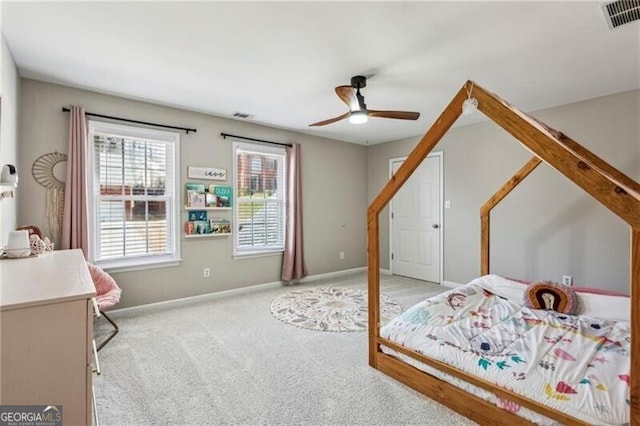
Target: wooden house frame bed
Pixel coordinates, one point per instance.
(610, 187)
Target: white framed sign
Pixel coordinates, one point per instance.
(210, 173)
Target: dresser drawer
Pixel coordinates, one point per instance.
(43, 357)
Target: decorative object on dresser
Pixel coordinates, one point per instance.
(37, 243)
(32, 229)
(18, 244)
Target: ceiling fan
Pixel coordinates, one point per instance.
(358, 112)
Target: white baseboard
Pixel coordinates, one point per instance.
(385, 271)
(232, 292)
(451, 284)
(331, 274)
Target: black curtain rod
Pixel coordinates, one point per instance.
(225, 135)
(187, 130)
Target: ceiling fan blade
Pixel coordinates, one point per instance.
(400, 115)
(348, 96)
(331, 120)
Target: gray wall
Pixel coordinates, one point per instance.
(548, 226)
(10, 93)
(334, 186)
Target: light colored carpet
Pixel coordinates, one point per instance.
(229, 361)
(330, 309)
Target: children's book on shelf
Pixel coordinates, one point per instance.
(197, 215)
(202, 227)
(195, 194)
(189, 228)
(222, 195)
(210, 199)
(200, 224)
(220, 226)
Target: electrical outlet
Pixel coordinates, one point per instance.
(341, 255)
(567, 280)
(206, 273)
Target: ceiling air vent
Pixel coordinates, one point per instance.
(621, 12)
(243, 115)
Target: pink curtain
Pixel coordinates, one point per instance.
(293, 267)
(74, 220)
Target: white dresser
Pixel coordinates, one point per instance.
(46, 333)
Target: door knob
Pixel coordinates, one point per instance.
(435, 226)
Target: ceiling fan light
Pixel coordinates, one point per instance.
(358, 117)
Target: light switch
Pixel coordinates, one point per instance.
(447, 204)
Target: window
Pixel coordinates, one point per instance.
(272, 184)
(270, 164)
(132, 184)
(255, 184)
(260, 199)
(256, 163)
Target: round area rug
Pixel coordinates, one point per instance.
(330, 309)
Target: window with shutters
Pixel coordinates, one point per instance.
(132, 195)
(260, 198)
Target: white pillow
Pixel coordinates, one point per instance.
(511, 290)
(615, 308)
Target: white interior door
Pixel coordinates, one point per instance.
(416, 231)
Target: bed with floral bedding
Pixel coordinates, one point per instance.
(576, 364)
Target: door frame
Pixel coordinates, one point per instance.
(440, 156)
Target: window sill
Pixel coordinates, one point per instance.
(116, 267)
(254, 254)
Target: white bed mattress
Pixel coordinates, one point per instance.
(578, 365)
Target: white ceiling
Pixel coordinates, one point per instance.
(282, 61)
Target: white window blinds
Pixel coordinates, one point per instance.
(259, 177)
(133, 194)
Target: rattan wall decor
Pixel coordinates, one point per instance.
(42, 171)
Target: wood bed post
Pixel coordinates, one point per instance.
(485, 232)
(373, 264)
(485, 210)
(419, 153)
(635, 327)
